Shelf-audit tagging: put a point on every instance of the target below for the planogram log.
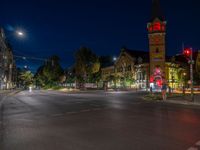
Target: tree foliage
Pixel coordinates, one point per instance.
(51, 73)
(86, 64)
(26, 78)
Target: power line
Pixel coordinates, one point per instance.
(32, 58)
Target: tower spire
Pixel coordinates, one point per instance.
(156, 11)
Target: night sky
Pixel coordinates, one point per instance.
(62, 26)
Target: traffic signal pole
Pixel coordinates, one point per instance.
(191, 75)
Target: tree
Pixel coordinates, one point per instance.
(70, 76)
(26, 78)
(40, 79)
(52, 70)
(86, 64)
(197, 78)
(51, 73)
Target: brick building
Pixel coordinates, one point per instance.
(143, 69)
(7, 64)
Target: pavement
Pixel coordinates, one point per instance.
(49, 120)
(185, 100)
(4, 93)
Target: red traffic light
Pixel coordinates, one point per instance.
(187, 52)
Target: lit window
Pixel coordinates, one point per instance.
(163, 27)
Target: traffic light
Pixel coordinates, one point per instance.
(151, 79)
(159, 83)
(187, 52)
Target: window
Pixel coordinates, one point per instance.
(157, 26)
(129, 68)
(157, 50)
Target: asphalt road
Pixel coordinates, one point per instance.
(96, 121)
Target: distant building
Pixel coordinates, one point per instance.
(141, 69)
(7, 64)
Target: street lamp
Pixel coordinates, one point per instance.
(20, 33)
(115, 82)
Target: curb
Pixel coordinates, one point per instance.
(182, 103)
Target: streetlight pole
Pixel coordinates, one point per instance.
(191, 75)
(115, 82)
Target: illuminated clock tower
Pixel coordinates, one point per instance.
(156, 33)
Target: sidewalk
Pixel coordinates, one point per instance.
(184, 100)
(4, 93)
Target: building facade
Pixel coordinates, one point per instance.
(144, 69)
(7, 64)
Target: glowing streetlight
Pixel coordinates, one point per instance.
(20, 33)
(114, 58)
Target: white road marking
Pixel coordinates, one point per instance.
(27, 120)
(192, 148)
(73, 112)
(94, 105)
(97, 108)
(85, 110)
(136, 103)
(56, 115)
(198, 143)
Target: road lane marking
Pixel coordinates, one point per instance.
(192, 148)
(198, 143)
(24, 120)
(95, 105)
(85, 110)
(57, 115)
(136, 103)
(72, 112)
(97, 108)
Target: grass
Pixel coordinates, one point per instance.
(158, 96)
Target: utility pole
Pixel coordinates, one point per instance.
(189, 54)
(191, 74)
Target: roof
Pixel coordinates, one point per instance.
(178, 59)
(138, 54)
(156, 11)
(195, 54)
(106, 61)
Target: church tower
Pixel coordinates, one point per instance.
(157, 45)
